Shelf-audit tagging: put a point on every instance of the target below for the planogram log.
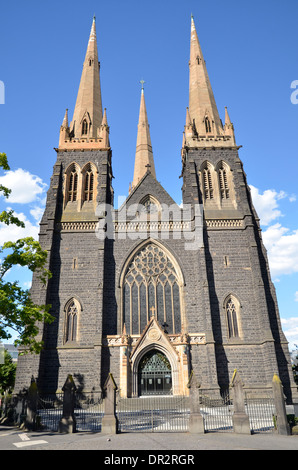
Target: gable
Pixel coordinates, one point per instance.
(148, 187)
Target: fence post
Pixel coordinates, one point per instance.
(109, 423)
(196, 420)
(68, 422)
(31, 412)
(240, 418)
(280, 407)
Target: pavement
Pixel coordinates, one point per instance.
(119, 446)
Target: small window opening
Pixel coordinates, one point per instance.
(84, 127)
(207, 124)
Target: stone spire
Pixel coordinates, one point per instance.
(87, 115)
(203, 124)
(144, 156)
(88, 129)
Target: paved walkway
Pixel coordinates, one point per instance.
(155, 443)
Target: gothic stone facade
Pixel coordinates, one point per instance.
(208, 307)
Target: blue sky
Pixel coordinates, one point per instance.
(252, 58)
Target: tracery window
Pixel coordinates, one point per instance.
(207, 183)
(72, 185)
(232, 308)
(149, 205)
(71, 321)
(89, 184)
(223, 182)
(151, 287)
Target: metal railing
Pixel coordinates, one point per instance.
(49, 410)
(261, 410)
(217, 412)
(153, 414)
(88, 411)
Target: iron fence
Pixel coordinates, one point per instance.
(217, 412)
(153, 414)
(50, 410)
(88, 411)
(261, 410)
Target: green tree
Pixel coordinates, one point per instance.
(17, 310)
(7, 374)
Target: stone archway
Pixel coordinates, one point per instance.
(154, 374)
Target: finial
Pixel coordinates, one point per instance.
(94, 17)
(142, 83)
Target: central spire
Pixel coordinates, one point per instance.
(144, 156)
(87, 115)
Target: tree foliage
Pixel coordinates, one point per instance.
(7, 373)
(17, 309)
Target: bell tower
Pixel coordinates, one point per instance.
(82, 179)
(243, 312)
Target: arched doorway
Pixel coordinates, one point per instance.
(154, 374)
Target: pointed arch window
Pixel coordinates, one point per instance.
(71, 320)
(207, 125)
(151, 287)
(232, 315)
(84, 127)
(207, 182)
(223, 182)
(89, 185)
(72, 191)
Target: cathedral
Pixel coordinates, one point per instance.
(152, 291)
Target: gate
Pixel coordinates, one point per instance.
(260, 408)
(153, 414)
(88, 411)
(217, 412)
(50, 410)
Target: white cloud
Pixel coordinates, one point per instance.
(25, 187)
(37, 212)
(13, 233)
(280, 242)
(290, 329)
(296, 296)
(282, 249)
(266, 204)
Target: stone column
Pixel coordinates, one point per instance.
(240, 418)
(68, 422)
(280, 407)
(196, 420)
(109, 421)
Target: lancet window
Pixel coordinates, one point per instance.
(208, 183)
(72, 189)
(223, 182)
(84, 127)
(72, 312)
(151, 287)
(207, 125)
(232, 313)
(89, 184)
